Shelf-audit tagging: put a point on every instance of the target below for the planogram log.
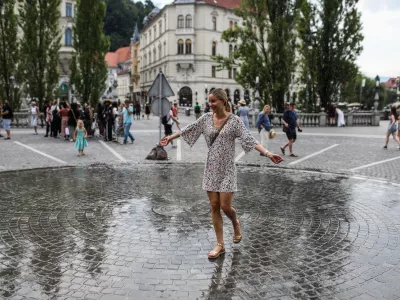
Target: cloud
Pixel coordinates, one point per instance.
(380, 21)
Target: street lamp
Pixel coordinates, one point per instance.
(378, 82)
(196, 95)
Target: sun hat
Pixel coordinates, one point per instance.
(272, 134)
(243, 102)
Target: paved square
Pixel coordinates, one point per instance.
(143, 232)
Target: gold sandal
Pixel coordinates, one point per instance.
(237, 238)
(215, 254)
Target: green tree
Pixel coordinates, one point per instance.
(39, 21)
(330, 31)
(120, 19)
(88, 68)
(265, 47)
(9, 53)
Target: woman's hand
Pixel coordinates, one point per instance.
(275, 158)
(165, 141)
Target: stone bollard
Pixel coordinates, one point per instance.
(376, 118)
(350, 118)
(322, 118)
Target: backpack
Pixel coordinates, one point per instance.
(165, 119)
(197, 109)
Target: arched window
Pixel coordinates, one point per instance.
(188, 47)
(180, 47)
(165, 49)
(145, 61)
(150, 61)
(235, 49)
(230, 24)
(181, 21)
(159, 51)
(214, 49)
(230, 50)
(68, 37)
(154, 54)
(214, 22)
(188, 21)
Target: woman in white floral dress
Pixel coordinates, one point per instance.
(220, 129)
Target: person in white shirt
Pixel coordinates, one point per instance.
(34, 116)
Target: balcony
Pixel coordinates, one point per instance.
(184, 31)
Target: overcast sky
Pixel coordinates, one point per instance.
(381, 28)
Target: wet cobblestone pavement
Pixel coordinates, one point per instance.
(144, 231)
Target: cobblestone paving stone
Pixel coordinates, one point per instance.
(143, 232)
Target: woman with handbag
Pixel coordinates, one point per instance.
(221, 128)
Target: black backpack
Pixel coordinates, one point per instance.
(197, 109)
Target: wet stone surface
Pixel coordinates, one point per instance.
(143, 232)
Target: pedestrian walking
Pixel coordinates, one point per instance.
(332, 114)
(220, 129)
(100, 120)
(1, 118)
(108, 115)
(168, 122)
(73, 117)
(263, 125)
(340, 121)
(207, 109)
(56, 124)
(289, 120)
(80, 138)
(243, 113)
(35, 113)
(127, 115)
(393, 127)
(49, 118)
(197, 110)
(147, 110)
(137, 110)
(175, 110)
(64, 120)
(7, 114)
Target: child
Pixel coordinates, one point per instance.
(80, 135)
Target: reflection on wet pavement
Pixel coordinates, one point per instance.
(143, 232)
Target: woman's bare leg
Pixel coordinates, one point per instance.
(230, 212)
(387, 138)
(396, 138)
(216, 215)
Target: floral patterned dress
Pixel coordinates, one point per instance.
(220, 170)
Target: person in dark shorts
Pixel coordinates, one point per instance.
(290, 124)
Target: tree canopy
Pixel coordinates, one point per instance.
(120, 19)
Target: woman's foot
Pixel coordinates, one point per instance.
(385, 147)
(283, 150)
(237, 235)
(217, 251)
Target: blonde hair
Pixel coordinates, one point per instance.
(221, 95)
(79, 122)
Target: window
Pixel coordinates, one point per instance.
(135, 70)
(188, 21)
(160, 27)
(154, 54)
(180, 47)
(145, 61)
(234, 49)
(68, 10)
(155, 31)
(68, 37)
(135, 54)
(188, 47)
(150, 61)
(230, 50)
(214, 22)
(165, 49)
(230, 73)
(214, 49)
(159, 52)
(230, 24)
(181, 21)
(213, 72)
(234, 73)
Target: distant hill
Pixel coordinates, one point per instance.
(121, 18)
